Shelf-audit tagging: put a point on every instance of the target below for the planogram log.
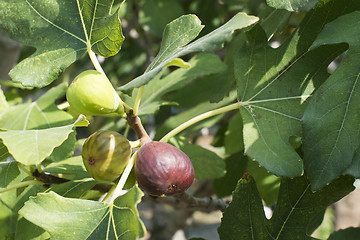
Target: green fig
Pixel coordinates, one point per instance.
(91, 93)
(105, 155)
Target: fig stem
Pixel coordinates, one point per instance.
(95, 61)
(135, 123)
(122, 181)
(199, 118)
(20, 185)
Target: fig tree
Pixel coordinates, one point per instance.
(105, 155)
(91, 93)
(162, 169)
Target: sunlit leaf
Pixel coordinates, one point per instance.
(201, 65)
(40, 114)
(67, 218)
(33, 146)
(267, 183)
(180, 32)
(3, 103)
(293, 5)
(61, 32)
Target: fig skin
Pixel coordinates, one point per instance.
(162, 170)
(105, 155)
(92, 94)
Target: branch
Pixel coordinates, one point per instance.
(185, 200)
(49, 179)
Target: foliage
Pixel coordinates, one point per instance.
(253, 73)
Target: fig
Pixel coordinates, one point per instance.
(105, 155)
(91, 93)
(162, 170)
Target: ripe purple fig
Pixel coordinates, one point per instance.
(162, 169)
(105, 155)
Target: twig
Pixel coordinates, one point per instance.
(48, 179)
(185, 200)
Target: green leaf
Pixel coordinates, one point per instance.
(65, 150)
(41, 114)
(272, 108)
(4, 153)
(33, 146)
(74, 189)
(61, 32)
(354, 168)
(201, 65)
(207, 164)
(235, 168)
(332, 118)
(25, 230)
(297, 204)
(348, 234)
(244, 217)
(292, 5)
(180, 32)
(3, 103)
(177, 34)
(13, 201)
(295, 208)
(274, 20)
(71, 168)
(267, 184)
(67, 218)
(155, 14)
(273, 87)
(233, 140)
(9, 171)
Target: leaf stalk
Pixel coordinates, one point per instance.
(197, 119)
(20, 185)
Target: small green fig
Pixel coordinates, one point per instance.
(105, 155)
(91, 93)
